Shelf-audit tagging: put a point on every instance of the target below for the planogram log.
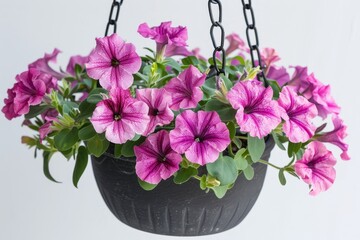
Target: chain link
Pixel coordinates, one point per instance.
(114, 16)
(251, 30)
(218, 45)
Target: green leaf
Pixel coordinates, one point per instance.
(232, 129)
(224, 169)
(237, 142)
(172, 63)
(249, 172)
(190, 60)
(87, 132)
(146, 186)
(117, 150)
(277, 141)
(86, 110)
(97, 146)
(256, 147)
(203, 182)
(128, 147)
(276, 88)
(36, 110)
(80, 164)
(46, 170)
(225, 111)
(67, 107)
(240, 160)
(95, 98)
(66, 139)
(184, 174)
(220, 191)
(282, 178)
(293, 148)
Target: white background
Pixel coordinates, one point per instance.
(323, 34)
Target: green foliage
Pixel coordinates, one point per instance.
(36, 111)
(184, 174)
(249, 172)
(66, 139)
(224, 169)
(47, 156)
(146, 186)
(240, 159)
(80, 164)
(293, 149)
(97, 145)
(87, 132)
(225, 111)
(256, 147)
(117, 150)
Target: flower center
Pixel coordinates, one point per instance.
(117, 117)
(115, 62)
(198, 139)
(153, 112)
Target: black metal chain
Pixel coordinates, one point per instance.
(114, 16)
(254, 46)
(218, 48)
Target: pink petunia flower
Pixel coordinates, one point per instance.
(257, 113)
(42, 64)
(316, 167)
(76, 60)
(9, 108)
(158, 102)
(185, 89)
(120, 117)
(298, 112)
(155, 160)
(315, 91)
(49, 116)
(235, 43)
(30, 88)
(201, 136)
(269, 56)
(279, 74)
(164, 35)
(113, 62)
(337, 136)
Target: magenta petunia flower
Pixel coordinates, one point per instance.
(120, 117)
(158, 102)
(257, 113)
(337, 136)
(113, 62)
(9, 108)
(155, 160)
(77, 59)
(185, 89)
(30, 88)
(279, 74)
(316, 167)
(315, 91)
(201, 136)
(164, 35)
(235, 43)
(298, 112)
(42, 64)
(269, 56)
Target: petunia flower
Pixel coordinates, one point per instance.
(269, 56)
(279, 74)
(113, 62)
(336, 136)
(30, 88)
(158, 102)
(315, 91)
(298, 112)
(164, 35)
(120, 117)
(9, 108)
(201, 136)
(257, 113)
(155, 160)
(316, 167)
(235, 43)
(185, 89)
(42, 64)
(49, 116)
(76, 60)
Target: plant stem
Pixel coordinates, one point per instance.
(270, 164)
(197, 177)
(231, 153)
(242, 137)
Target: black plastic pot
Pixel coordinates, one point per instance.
(170, 209)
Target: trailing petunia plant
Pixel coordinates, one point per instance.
(166, 111)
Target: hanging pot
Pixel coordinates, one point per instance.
(171, 209)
